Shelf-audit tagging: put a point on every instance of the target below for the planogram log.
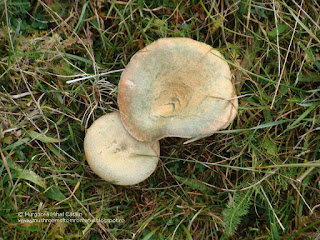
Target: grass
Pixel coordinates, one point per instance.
(258, 179)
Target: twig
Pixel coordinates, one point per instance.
(278, 220)
(93, 76)
(285, 61)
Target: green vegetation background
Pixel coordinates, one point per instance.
(258, 179)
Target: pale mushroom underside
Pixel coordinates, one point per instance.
(115, 156)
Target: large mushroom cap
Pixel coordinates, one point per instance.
(115, 156)
(176, 87)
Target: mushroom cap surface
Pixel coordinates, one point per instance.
(176, 87)
(113, 154)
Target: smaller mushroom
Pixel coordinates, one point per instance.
(115, 156)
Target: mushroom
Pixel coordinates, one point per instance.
(176, 87)
(115, 156)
